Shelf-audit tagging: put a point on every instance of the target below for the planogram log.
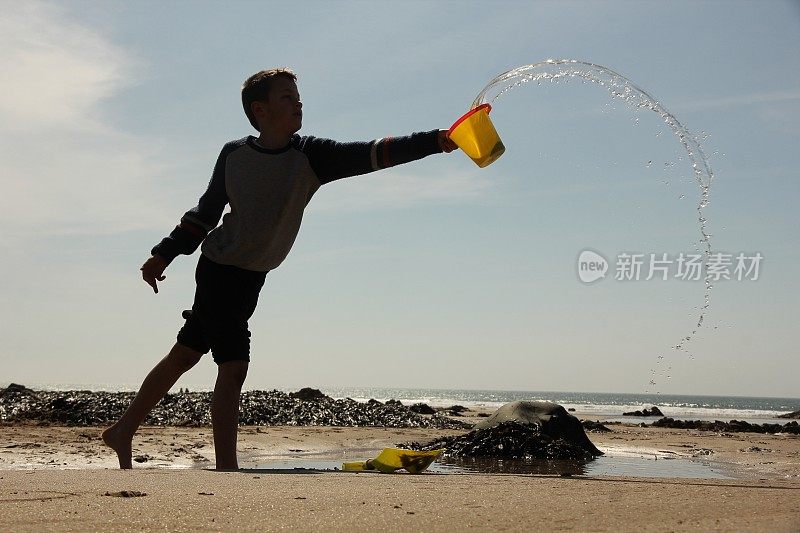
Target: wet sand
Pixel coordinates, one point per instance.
(57, 478)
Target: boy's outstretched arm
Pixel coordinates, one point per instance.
(333, 160)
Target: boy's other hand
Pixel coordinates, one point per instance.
(153, 270)
(446, 143)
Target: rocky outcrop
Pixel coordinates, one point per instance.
(263, 408)
(307, 394)
(423, 409)
(15, 389)
(653, 411)
(594, 426)
(794, 415)
(734, 426)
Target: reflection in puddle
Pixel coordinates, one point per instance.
(611, 464)
(606, 465)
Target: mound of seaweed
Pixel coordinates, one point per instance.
(508, 440)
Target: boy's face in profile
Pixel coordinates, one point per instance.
(283, 112)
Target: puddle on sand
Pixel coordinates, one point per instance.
(611, 464)
(606, 465)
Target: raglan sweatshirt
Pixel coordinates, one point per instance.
(268, 191)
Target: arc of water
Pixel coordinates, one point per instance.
(620, 87)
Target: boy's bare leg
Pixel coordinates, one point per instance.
(157, 383)
(225, 412)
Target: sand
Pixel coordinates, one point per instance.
(62, 479)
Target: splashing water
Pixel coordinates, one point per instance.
(554, 70)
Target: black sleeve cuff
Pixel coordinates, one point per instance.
(180, 241)
(166, 249)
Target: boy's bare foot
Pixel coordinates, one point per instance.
(121, 444)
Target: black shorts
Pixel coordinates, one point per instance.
(224, 301)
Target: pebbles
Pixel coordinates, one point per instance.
(262, 408)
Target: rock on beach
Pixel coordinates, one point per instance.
(653, 411)
(734, 426)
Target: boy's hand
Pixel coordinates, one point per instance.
(153, 269)
(446, 143)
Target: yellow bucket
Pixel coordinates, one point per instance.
(391, 459)
(474, 133)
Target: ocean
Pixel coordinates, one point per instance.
(595, 405)
(590, 405)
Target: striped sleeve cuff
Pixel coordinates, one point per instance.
(379, 153)
(197, 223)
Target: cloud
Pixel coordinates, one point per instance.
(65, 168)
(59, 69)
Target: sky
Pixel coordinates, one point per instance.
(433, 274)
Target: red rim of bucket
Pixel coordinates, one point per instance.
(468, 114)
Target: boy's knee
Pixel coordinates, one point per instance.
(233, 372)
(184, 356)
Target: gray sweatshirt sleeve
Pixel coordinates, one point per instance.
(198, 221)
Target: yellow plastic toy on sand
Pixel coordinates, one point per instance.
(393, 459)
(474, 133)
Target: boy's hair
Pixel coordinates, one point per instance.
(257, 87)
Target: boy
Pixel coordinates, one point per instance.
(268, 181)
